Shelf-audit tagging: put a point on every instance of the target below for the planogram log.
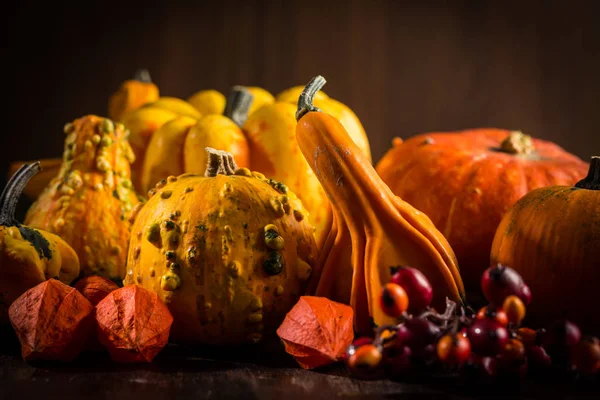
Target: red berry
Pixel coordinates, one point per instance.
(561, 333)
(402, 336)
(537, 358)
(500, 281)
(397, 360)
(477, 367)
(487, 337)
(453, 349)
(422, 333)
(393, 300)
(418, 288)
(493, 313)
(559, 340)
(512, 361)
(586, 356)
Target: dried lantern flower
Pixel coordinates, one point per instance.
(133, 324)
(52, 321)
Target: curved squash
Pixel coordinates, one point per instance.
(372, 229)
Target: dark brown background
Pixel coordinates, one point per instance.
(405, 67)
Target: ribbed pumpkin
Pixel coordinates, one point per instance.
(551, 236)
(89, 202)
(229, 252)
(466, 181)
(373, 230)
(179, 145)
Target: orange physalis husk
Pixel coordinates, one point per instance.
(52, 321)
(95, 288)
(317, 331)
(133, 324)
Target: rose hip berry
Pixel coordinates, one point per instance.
(393, 300)
(453, 349)
(586, 356)
(422, 333)
(487, 337)
(499, 282)
(493, 313)
(416, 285)
(515, 309)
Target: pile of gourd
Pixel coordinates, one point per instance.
(231, 207)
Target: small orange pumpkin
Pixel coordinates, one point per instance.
(466, 181)
(551, 236)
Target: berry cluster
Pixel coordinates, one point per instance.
(482, 345)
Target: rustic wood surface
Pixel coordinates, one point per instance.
(247, 373)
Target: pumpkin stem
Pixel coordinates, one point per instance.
(517, 143)
(219, 162)
(592, 180)
(238, 104)
(305, 101)
(142, 75)
(12, 191)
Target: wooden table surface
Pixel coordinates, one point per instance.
(252, 373)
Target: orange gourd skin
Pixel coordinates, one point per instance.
(131, 95)
(89, 202)
(200, 243)
(271, 133)
(372, 229)
(551, 236)
(465, 185)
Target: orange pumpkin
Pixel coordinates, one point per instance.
(372, 229)
(466, 181)
(132, 94)
(229, 251)
(551, 236)
(89, 202)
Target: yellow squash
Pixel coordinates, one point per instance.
(179, 145)
(28, 256)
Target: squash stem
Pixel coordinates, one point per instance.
(517, 143)
(219, 162)
(592, 180)
(142, 75)
(305, 101)
(238, 104)
(12, 191)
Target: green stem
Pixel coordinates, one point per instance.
(305, 101)
(12, 191)
(592, 180)
(142, 75)
(238, 104)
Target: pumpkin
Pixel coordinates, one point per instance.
(466, 181)
(211, 101)
(178, 146)
(28, 256)
(340, 111)
(230, 252)
(373, 230)
(551, 236)
(89, 202)
(132, 94)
